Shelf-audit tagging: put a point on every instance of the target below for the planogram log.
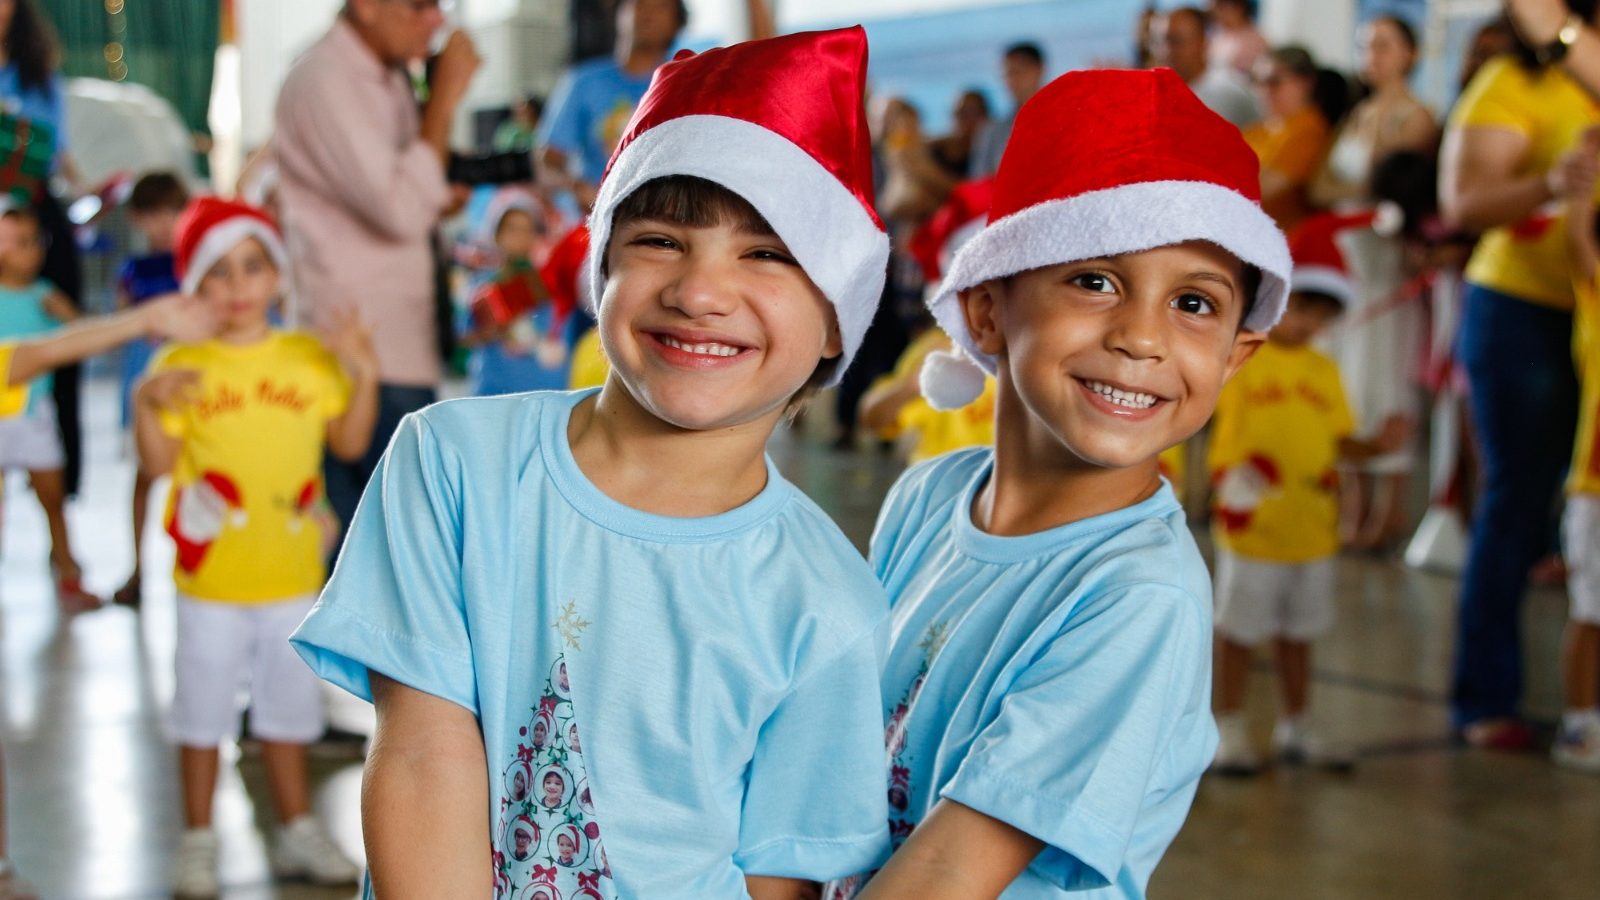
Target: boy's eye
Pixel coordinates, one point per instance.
(767, 254)
(655, 241)
(1194, 304)
(1094, 282)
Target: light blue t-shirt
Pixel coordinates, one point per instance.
(667, 704)
(22, 316)
(1059, 681)
(589, 111)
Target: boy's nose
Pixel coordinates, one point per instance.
(702, 288)
(1138, 330)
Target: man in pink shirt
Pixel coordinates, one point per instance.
(363, 186)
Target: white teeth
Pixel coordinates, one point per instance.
(1130, 399)
(709, 349)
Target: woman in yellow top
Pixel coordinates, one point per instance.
(1508, 154)
(1292, 140)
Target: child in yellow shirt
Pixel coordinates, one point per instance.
(894, 407)
(241, 422)
(1577, 743)
(1281, 426)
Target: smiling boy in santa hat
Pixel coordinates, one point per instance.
(1280, 429)
(626, 559)
(1048, 674)
(241, 421)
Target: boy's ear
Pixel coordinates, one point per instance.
(1245, 345)
(980, 307)
(833, 344)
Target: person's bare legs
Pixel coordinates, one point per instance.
(1293, 660)
(287, 779)
(198, 767)
(1580, 665)
(1352, 508)
(131, 591)
(1386, 514)
(1232, 677)
(50, 486)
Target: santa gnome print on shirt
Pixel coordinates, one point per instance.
(1242, 488)
(203, 509)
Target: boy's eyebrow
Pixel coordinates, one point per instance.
(1228, 283)
(743, 226)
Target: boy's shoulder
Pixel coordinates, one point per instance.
(485, 427)
(933, 481)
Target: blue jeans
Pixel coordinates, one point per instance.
(1518, 359)
(345, 481)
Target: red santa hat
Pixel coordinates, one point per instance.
(210, 227)
(564, 272)
(1102, 163)
(1319, 263)
(782, 123)
(957, 221)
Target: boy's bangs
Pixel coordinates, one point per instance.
(690, 202)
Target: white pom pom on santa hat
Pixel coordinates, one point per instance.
(950, 380)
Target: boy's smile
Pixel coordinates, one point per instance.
(1115, 360)
(711, 326)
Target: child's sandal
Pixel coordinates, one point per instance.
(72, 597)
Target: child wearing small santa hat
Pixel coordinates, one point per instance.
(240, 422)
(718, 633)
(1281, 428)
(1051, 614)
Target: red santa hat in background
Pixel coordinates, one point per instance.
(210, 227)
(1102, 163)
(565, 274)
(782, 123)
(958, 220)
(1319, 263)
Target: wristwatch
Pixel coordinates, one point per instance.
(1556, 50)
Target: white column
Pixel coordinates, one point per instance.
(1326, 27)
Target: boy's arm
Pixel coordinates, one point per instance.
(1390, 437)
(1582, 168)
(761, 887)
(350, 434)
(157, 393)
(423, 798)
(173, 317)
(956, 853)
(58, 307)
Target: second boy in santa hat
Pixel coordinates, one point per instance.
(240, 421)
(615, 587)
(1049, 667)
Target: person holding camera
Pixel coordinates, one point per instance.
(364, 182)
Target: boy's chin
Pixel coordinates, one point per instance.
(706, 411)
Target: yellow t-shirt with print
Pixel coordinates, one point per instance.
(1274, 443)
(13, 398)
(941, 431)
(1528, 258)
(246, 508)
(1584, 477)
(589, 364)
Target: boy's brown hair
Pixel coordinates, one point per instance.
(698, 203)
(157, 191)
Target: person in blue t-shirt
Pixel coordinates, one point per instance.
(593, 101)
(613, 652)
(1048, 677)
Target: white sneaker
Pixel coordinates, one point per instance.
(304, 850)
(1577, 746)
(1295, 742)
(194, 869)
(1235, 756)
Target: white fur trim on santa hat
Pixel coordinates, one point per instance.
(824, 225)
(1323, 280)
(1110, 222)
(224, 236)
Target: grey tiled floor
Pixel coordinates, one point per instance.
(92, 783)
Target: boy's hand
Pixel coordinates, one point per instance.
(1394, 433)
(169, 389)
(1574, 175)
(178, 317)
(348, 338)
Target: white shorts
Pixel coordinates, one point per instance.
(1580, 544)
(225, 649)
(1258, 600)
(31, 441)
